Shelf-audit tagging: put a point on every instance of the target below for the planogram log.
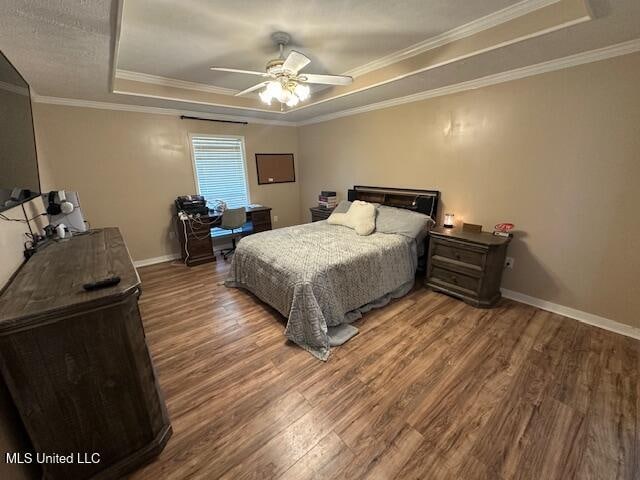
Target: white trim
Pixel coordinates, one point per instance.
(579, 315)
(154, 260)
(584, 317)
(116, 43)
(611, 51)
(72, 102)
(198, 102)
(172, 82)
(449, 61)
(475, 26)
(624, 48)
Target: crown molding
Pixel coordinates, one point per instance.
(451, 60)
(624, 48)
(475, 26)
(493, 19)
(611, 51)
(73, 102)
(172, 82)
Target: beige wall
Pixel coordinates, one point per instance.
(556, 154)
(13, 235)
(129, 167)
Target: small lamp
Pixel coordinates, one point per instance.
(449, 219)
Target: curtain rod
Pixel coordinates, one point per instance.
(187, 117)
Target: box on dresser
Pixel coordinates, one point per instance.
(467, 265)
(76, 363)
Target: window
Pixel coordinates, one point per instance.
(220, 169)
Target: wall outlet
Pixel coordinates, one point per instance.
(508, 262)
(275, 219)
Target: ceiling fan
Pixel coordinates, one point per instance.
(285, 83)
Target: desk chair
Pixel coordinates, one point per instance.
(233, 219)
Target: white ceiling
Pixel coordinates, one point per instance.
(182, 39)
(64, 47)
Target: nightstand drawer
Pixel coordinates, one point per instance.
(459, 252)
(454, 279)
(457, 266)
(318, 214)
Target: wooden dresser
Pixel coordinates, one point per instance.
(198, 240)
(319, 213)
(195, 238)
(467, 265)
(76, 363)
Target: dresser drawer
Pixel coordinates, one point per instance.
(199, 247)
(454, 279)
(261, 227)
(459, 252)
(199, 227)
(199, 236)
(263, 216)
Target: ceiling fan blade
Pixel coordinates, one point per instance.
(251, 89)
(296, 61)
(235, 70)
(326, 79)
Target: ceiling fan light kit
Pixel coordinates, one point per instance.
(285, 84)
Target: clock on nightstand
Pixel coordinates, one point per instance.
(467, 265)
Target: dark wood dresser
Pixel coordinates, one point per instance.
(467, 265)
(76, 363)
(319, 213)
(196, 234)
(196, 244)
(260, 219)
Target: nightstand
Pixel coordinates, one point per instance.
(467, 265)
(319, 213)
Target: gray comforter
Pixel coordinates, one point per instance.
(320, 276)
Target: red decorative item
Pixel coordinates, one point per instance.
(504, 227)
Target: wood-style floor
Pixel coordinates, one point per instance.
(430, 389)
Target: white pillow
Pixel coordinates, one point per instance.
(361, 216)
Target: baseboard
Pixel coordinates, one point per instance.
(579, 315)
(154, 260)
(584, 317)
(173, 256)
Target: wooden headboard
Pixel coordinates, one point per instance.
(423, 201)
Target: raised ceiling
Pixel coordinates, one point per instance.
(181, 40)
(156, 52)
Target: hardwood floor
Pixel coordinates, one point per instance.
(430, 388)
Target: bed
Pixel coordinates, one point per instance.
(322, 277)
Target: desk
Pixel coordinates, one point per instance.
(197, 238)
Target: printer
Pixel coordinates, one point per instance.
(192, 204)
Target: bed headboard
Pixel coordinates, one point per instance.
(423, 201)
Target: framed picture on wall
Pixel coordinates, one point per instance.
(275, 168)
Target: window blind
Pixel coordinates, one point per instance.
(220, 169)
